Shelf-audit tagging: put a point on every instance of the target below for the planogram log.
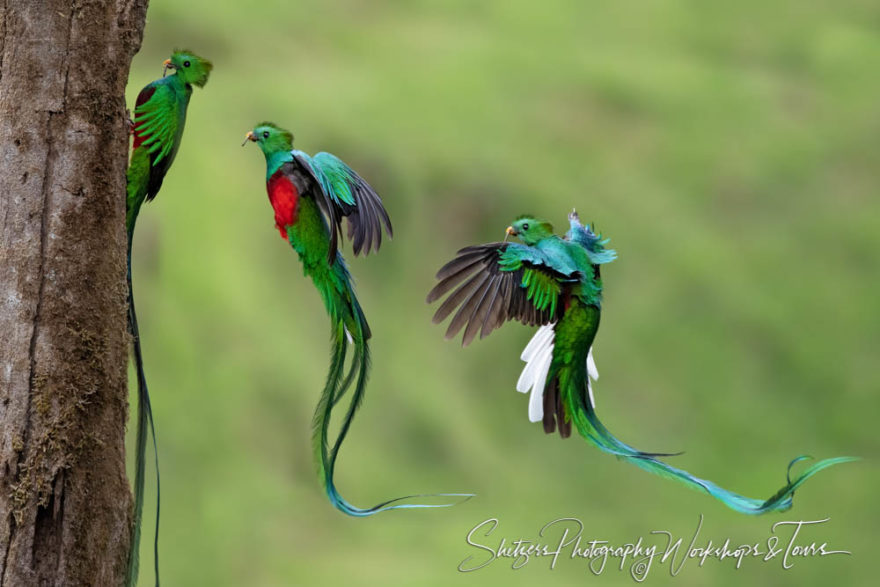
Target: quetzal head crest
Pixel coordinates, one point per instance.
(191, 68)
(530, 229)
(271, 138)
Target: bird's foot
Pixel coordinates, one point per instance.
(129, 121)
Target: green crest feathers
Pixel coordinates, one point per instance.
(284, 134)
(191, 68)
(544, 224)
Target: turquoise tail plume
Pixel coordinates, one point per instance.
(350, 327)
(573, 382)
(144, 423)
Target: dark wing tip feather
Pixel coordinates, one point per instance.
(459, 296)
(477, 290)
(366, 216)
(485, 295)
(479, 315)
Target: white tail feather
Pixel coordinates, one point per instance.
(592, 373)
(526, 378)
(537, 342)
(538, 355)
(536, 400)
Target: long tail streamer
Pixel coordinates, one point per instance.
(334, 389)
(144, 420)
(592, 429)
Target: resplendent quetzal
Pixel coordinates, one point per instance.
(310, 197)
(554, 283)
(159, 117)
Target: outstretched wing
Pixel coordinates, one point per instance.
(495, 283)
(155, 129)
(345, 194)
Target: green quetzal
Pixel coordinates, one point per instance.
(310, 197)
(555, 283)
(159, 117)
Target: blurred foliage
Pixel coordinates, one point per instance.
(730, 151)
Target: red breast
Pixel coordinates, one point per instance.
(283, 196)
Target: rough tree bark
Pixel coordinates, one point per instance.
(65, 506)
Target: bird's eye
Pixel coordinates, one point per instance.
(186, 63)
(265, 134)
(526, 226)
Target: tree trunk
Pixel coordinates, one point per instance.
(65, 506)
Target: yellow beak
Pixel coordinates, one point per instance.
(249, 137)
(511, 231)
(167, 65)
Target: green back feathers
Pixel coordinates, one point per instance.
(336, 177)
(191, 68)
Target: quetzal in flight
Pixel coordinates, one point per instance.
(310, 197)
(555, 283)
(159, 117)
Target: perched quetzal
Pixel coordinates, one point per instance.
(310, 197)
(554, 283)
(159, 116)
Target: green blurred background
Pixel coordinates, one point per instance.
(732, 154)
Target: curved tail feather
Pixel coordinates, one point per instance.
(546, 402)
(573, 385)
(334, 389)
(144, 420)
(353, 370)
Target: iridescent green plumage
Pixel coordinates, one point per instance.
(159, 118)
(555, 283)
(310, 197)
